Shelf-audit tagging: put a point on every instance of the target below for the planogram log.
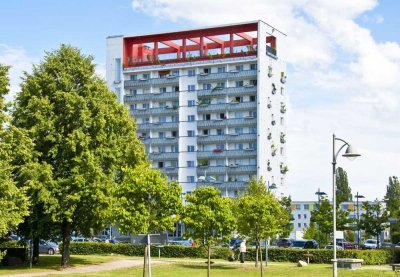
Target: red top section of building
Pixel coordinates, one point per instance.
(201, 44)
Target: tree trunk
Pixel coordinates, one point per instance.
(66, 239)
(256, 264)
(35, 254)
(261, 261)
(209, 261)
(145, 261)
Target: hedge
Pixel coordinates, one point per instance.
(370, 257)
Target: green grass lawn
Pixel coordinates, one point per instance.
(184, 269)
(53, 263)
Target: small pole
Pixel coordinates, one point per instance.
(149, 256)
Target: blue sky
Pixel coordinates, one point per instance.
(343, 68)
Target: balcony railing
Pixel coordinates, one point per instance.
(163, 156)
(160, 141)
(242, 169)
(227, 154)
(225, 185)
(151, 96)
(201, 171)
(154, 111)
(226, 138)
(231, 91)
(212, 77)
(157, 126)
(170, 170)
(238, 75)
(232, 122)
(233, 106)
(173, 80)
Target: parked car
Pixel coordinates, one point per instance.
(371, 244)
(48, 247)
(81, 240)
(298, 244)
(330, 246)
(347, 245)
(397, 245)
(234, 243)
(311, 244)
(284, 243)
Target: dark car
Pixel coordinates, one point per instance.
(311, 244)
(284, 243)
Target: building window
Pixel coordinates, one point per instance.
(253, 130)
(191, 118)
(207, 70)
(252, 98)
(162, 104)
(239, 131)
(133, 77)
(220, 162)
(162, 119)
(205, 132)
(305, 224)
(133, 91)
(306, 206)
(174, 134)
(239, 146)
(160, 164)
(299, 216)
(298, 207)
(220, 132)
(239, 84)
(117, 70)
(133, 107)
(191, 103)
(175, 72)
(190, 133)
(222, 115)
(305, 216)
(190, 163)
(174, 118)
(253, 66)
(191, 87)
(221, 146)
(145, 105)
(239, 67)
(146, 76)
(206, 116)
(174, 149)
(191, 72)
(190, 179)
(161, 134)
(221, 69)
(190, 148)
(163, 89)
(299, 225)
(207, 86)
(221, 85)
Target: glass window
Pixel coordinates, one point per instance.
(299, 216)
(133, 91)
(191, 103)
(220, 162)
(239, 146)
(163, 89)
(221, 146)
(304, 216)
(206, 86)
(146, 76)
(162, 104)
(175, 72)
(190, 163)
(239, 84)
(253, 66)
(190, 133)
(221, 85)
(252, 98)
(299, 225)
(117, 70)
(191, 72)
(190, 148)
(175, 118)
(238, 130)
(162, 119)
(221, 69)
(306, 206)
(239, 67)
(298, 207)
(220, 132)
(161, 134)
(174, 149)
(133, 107)
(191, 118)
(190, 179)
(133, 77)
(191, 87)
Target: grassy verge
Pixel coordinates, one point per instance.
(47, 263)
(184, 269)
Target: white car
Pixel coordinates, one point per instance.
(371, 244)
(330, 246)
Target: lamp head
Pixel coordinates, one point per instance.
(351, 153)
(272, 186)
(359, 196)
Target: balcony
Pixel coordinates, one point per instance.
(242, 106)
(161, 141)
(210, 170)
(157, 126)
(142, 83)
(244, 74)
(166, 156)
(231, 91)
(226, 138)
(151, 96)
(242, 169)
(213, 108)
(227, 154)
(232, 106)
(232, 122)
(239, 185)
(154, 111)
(212, 77)
(170, 170)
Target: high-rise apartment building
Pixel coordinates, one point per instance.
(209, 103)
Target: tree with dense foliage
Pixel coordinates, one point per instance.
(84, 139)
(286, 203)
(343, 190)
(375, 219)
(208, 217)
(392, 200)
(311, 232)
(323, 216)
(15, 155)
(260, 215)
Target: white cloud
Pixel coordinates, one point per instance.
(341, 80)
(20, 61)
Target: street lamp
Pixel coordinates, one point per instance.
(320, 194)
(269, 187)
(351, 154)
(358, 219)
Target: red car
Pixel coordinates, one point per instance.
(347, 245)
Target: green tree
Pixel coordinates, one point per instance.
(392, 200)
(208, 217)
(311, 232)
(375, 219)
(323, 217)
(286, 203)
(14, 155)
(343, 191)
(83, 137)
(260, 215)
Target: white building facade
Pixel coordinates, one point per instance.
(209, 103)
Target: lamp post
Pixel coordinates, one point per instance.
(269, 188)
(358, 219)
(351, 154)
(320, 194)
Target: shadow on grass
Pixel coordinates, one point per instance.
(204, 266)
(49, 262)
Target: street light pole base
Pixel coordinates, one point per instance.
(334, 263)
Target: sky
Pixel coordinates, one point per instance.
(343, 61)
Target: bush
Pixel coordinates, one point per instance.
(10, 243)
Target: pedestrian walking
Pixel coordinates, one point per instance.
(242, 251)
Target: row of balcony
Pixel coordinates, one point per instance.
(238, 185)
(172, 95)
(167, 156)
(232, 169)
(233, 106)
(231, 91)
(160, 126)
(155, 111)
(231, 75)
